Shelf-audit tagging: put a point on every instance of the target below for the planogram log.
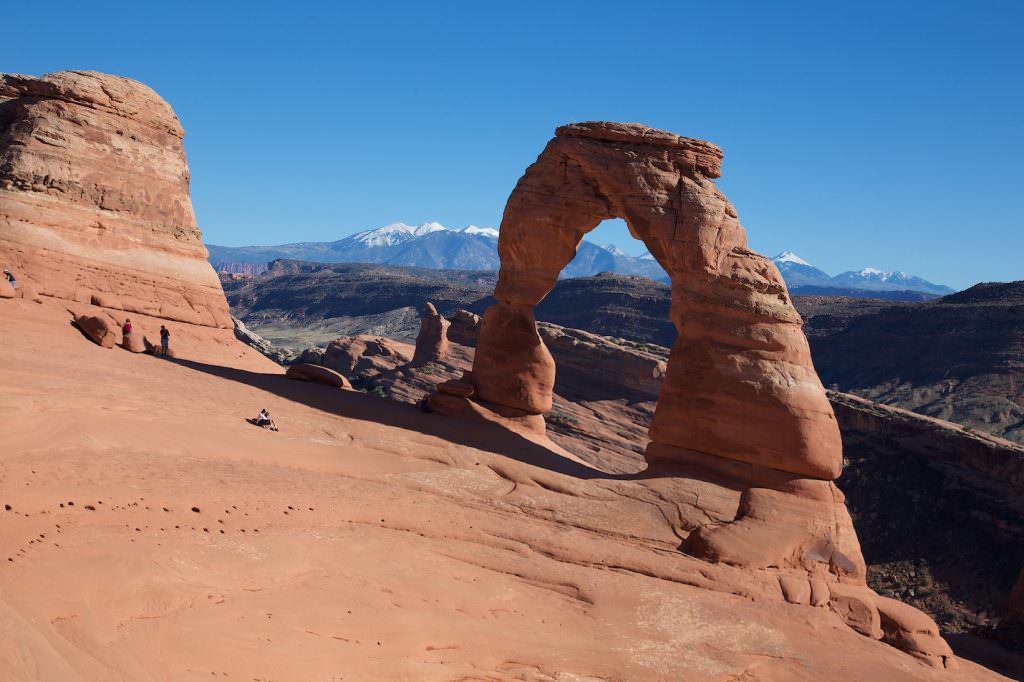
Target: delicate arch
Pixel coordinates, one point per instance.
(740, 383)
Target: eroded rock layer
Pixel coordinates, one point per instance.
(94, 198)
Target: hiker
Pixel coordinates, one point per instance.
(10, 278)
(263, 419)
(165, 340)
(126, 329)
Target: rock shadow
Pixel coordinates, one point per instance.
(480, 435)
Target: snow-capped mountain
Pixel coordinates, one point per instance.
(873, 279)
(432, 245)
(429, 245)
(614, 250)
(395, 233)
(799, 273)
(485, 231)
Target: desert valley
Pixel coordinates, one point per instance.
(482, 473)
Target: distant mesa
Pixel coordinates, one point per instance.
(94, 199)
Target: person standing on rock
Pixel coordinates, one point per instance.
(10, 278)
(126, 329)
(165, 340)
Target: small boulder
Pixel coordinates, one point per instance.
(906, 628)
(457, 387)
(155, 349)
(432, 342)
(323, 375)
(99, 329)
(133, 342)
(310, 356)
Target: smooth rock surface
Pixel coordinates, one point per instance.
(465, 550)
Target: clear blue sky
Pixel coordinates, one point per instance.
(876, 133)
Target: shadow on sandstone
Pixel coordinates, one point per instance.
(355, 405)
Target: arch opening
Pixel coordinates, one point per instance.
(611, 247)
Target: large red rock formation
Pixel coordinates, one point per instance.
(742, 415)
(740, 382)
(94, 198)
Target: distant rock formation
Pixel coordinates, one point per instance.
(365, 355)
(968, 370)
(603, 364)
(741, 406)
(94, 198)
(279, 355)
(464, 327)
(432, 342)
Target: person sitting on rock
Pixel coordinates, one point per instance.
(10, 278)
(165, 340)
(126, 329)
(263, 419)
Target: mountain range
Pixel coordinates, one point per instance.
(432, 245)
(799, 274)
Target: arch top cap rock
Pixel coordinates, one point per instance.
(706, 157)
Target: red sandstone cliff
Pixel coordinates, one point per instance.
(94, 198)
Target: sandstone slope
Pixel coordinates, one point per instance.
(365, 540)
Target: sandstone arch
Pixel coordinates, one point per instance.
(740, 383)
